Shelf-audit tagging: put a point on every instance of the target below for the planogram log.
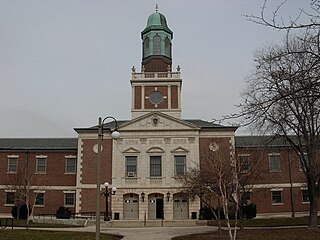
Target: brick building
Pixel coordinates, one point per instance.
(155, 147)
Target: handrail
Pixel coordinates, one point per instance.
(163, 75)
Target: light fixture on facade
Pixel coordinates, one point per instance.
(142, 196)
(168, 196)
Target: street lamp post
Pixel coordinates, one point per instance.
(115, 135)
(107, 194)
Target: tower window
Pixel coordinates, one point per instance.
(156, 45)
(146, 47)
(167, 47)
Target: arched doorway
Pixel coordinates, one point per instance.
(131, 206)
(155, 207)
(180, 206)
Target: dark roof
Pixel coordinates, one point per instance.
(197, 122)
(203, 124)
(38, 143)
(256, 141)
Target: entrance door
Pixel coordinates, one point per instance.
(131, 206)
(155, 208)
(159, 208)
(180, 207)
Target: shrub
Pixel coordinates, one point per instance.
(63, 213)
(249, 211)
(23, 211)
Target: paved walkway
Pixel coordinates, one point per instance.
(154, 233)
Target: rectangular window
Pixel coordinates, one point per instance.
(69, 199)
(41, 165)
(179, 165)
(10, 197)
(244, 163)
(155, 166)
(39, 199)
(12, 164)
(274, 163)
(305, 196)
(276, 197)
(71, 165)
(131, 166)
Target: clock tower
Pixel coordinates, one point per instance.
(156, 87)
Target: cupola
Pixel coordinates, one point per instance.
(156, 44)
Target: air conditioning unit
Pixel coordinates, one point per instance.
(130, 174)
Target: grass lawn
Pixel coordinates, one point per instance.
(48, 235)
(264, 234)
(272, 222)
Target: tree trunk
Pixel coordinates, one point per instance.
(313, 198)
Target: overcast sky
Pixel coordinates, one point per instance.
(64, 63)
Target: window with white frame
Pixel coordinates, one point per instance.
(71, 165)
(131, 166)
(274, 163)
(302, 165)
(39, 201)
(179, 165)
(41, 163)
(155, 166)
(305, 196)
(12, 164)
(69, 199)
(276, 196)
(244, 163)
(10, 198)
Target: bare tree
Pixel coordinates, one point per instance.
(282, 97)
(26, 191)
(216, 177)
(304, 18)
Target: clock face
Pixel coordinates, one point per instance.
(155, 97)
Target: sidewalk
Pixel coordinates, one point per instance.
(154, 233)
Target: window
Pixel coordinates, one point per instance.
(274, 163)
(12, 164)
(71, 164)
(41, 165)
(69, 199)
(305, 196)
(244, 163)
(155, 166)
(10, 197)
(276, 197)
(167, 47)
(179, 165)
(131, 166)
(156, 45)
(146, 47)
(39, 199)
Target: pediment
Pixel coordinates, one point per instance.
(155, 150)
(157, 121)
(131, 150)
(180, 150)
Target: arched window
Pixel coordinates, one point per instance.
(146, 47)
(167, 47)
(156, 45)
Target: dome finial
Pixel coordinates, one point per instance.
(157, 7)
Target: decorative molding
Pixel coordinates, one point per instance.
(155, 150)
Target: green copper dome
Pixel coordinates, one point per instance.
(157, 21)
